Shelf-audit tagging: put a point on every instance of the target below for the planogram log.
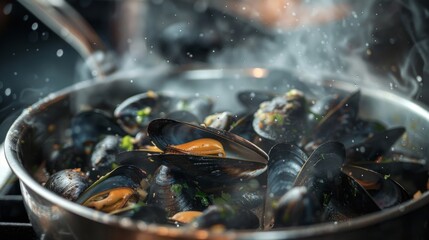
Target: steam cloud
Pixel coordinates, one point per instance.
(376, 43)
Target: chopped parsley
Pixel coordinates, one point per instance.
(278, 118)
(142, 114)
(203, 198)
(176, 189)
(127, 143)
(386, 176)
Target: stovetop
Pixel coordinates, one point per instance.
(14, 222)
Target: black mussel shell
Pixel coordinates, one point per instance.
(299, 206)
(349, 199)
(167, 132)
(252, 99)
(244, 128)
(283, 119)
(146, 213)
(134, 113)
(65, 158)
(342, 117)
(226, 216)
(104, 152)
(375, 146)
(321, 172)
(384, 191)
(174, 193)
(322, 106)
(123, 177)
(139, 158)
(284, 164)
(222, 121)
(88, 127)
(68, 183)
(211, 169)
(183, 116)
(409, 171)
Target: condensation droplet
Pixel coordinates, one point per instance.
(7, 9)
(419, 79)
(7, 91)
(60, 52)
(35, 26)
(25, 18)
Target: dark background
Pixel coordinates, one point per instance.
(30, 67)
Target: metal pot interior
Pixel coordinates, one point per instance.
(47, 119)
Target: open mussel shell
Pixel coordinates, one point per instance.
(209, 169)
(244, 128)
(375, 146)
(409, 171)
(342, 116)
(87, 128)
(222, 120)
(323, 167)
(283, 119)
(114, 190)
(167, 132)
(284, 164)
(135, 113)
(173, 192)
(384, 191)
(68, 183)
(139, 158)
(227, 217)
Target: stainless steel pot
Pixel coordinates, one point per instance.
(56, 218)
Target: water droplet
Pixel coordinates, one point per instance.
(45, 36)
(7, 92)
(15, 73)
(419, 79)
(25, 18)
(60, 52)
(47, 80)
(7, 9)
(35, 26)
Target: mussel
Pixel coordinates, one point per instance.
(68, 183)
(123, 186)
(237, 159)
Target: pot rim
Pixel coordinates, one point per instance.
(12, 138)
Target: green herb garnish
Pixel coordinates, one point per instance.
(127, 143)
(142, 114)
(176, 189)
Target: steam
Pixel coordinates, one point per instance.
(381, 44)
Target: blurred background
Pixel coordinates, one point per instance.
(378, 43)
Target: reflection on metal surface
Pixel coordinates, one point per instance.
(5, 172)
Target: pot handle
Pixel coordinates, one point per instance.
(66, 22)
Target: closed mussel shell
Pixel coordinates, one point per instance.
(68, 183)
(174, 193)
(284, 164)
(116, 189)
